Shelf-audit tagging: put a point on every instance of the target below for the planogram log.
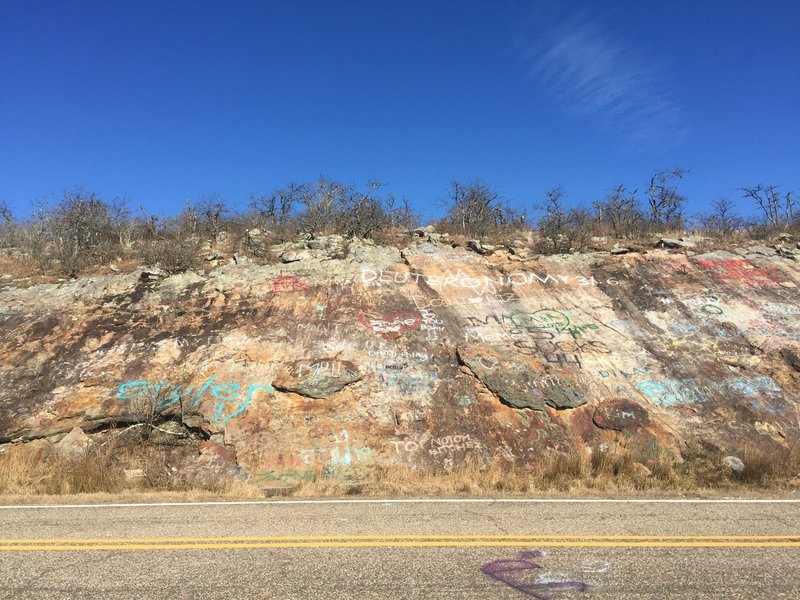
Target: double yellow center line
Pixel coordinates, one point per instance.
(403, 541)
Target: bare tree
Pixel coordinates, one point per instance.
(171, 244)
(6, 218)
(172, 251)
(325, 203)
(79, 231)
(666, 204)
(562, 230)
(790, 208)
(276, 210)
(723, 220)
(149, 224)
(400, 213)
(620, 210)
(36, 238)
(122, 221)
(767, 199)
(779, 211)
(329, 206)
(474, 208)
(365, 211)
(7, 226)
(211, 212)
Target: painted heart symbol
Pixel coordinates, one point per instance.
(391, 325)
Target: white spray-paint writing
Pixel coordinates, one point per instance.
(479, 285)
(437, 446)
(625, 374)
(431, 325)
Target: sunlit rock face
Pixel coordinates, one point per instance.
(421, 357)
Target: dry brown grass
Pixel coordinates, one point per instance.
(22, 472)
(612, 472)
(615, 471)
(762, 468)
(101, 470)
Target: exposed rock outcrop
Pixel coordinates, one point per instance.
(518, 384)
(317, 378)
(349, 355)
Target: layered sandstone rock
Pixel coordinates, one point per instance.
(333, 364)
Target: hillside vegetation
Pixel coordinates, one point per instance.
(324, 343)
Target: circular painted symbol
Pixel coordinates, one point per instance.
(545, 318)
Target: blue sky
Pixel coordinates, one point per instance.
(168, 101)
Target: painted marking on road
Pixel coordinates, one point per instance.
(283, 538)
(410, 501)
(43, 545)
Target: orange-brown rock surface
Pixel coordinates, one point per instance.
(424, 356)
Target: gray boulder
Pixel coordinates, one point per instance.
(673, 243)
(317, 378)
(295, 256)
(75, 443)
(761, 251)
(734, 465)
(516, 384)
(151, 275)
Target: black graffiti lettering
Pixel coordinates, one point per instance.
(576, 346)
(525, 348)
(539, 334)
(564, 360)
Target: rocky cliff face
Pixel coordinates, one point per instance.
(333, 361)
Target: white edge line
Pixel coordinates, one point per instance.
(410, 501)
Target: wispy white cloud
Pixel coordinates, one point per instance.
(592, 71)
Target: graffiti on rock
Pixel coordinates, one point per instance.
(606, 373)
(342, 454)
(230, 399)
(498, 301)
(187, 342)
(620, 414)
(317, 378)
(743, 271)
(392, 325)
(380, 350)
(545, 347)
(534, 322)
(288, 283)
(287, 476)
(304, 369)
(437, 446)
(320, 328)
(544, 318)
(431, 324)
(479, 285)
(670, 392)
(408, 383)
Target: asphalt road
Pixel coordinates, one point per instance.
(398, 549)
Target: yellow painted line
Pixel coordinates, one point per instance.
(420, 544)
(654, 542)
(315, 538)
